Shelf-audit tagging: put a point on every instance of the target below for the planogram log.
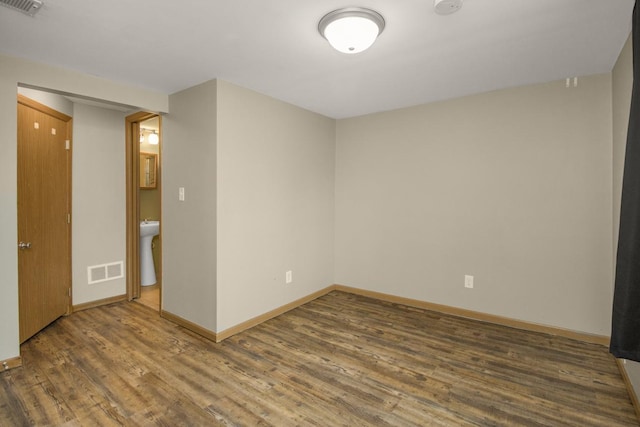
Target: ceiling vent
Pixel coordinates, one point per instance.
(447, 7)
(30, 7)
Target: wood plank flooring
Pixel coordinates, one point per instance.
(339, 360)
(150, 297)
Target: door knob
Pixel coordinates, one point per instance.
(23, 245)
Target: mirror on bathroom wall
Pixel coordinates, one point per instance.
(148, 170)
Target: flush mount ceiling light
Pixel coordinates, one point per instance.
(352, 29)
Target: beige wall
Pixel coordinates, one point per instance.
(512, 187)
(15, 71)
(622, 86)
(99, 199)
(275, 203)
(189, 227)
(258, 178)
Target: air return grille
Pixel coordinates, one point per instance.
(104, 272)
(30, 7)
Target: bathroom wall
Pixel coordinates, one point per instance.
(14, 71)
(150, 204)
(512, 187)
(150, 197)
(275, 180)
(622, 86)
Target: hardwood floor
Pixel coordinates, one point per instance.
(339, 360)
(150, 296)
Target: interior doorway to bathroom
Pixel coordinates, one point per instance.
(144, 222)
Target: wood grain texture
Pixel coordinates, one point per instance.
(44, 206)
(150, 297)
(342, 359)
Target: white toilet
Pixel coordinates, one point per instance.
(148, 229)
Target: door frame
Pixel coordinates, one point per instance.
(132, 147)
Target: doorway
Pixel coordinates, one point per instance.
(44, 216)
(144, 190)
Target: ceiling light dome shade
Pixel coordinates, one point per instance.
(351, 30)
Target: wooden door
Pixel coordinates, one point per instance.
(44, 229)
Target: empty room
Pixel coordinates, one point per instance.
(319, 213)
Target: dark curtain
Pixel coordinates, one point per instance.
(625, 332)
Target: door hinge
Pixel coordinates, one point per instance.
(68, 218)
(69, 291)
(67, 144)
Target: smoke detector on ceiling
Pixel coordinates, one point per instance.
(30, 7)
(447, 7)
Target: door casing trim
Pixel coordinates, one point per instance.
(132, 147)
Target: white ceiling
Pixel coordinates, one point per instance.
(273, 46)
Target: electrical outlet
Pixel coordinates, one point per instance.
(288, 277)
(468, 282)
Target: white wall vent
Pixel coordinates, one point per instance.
(30, 7)
(104, 272)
